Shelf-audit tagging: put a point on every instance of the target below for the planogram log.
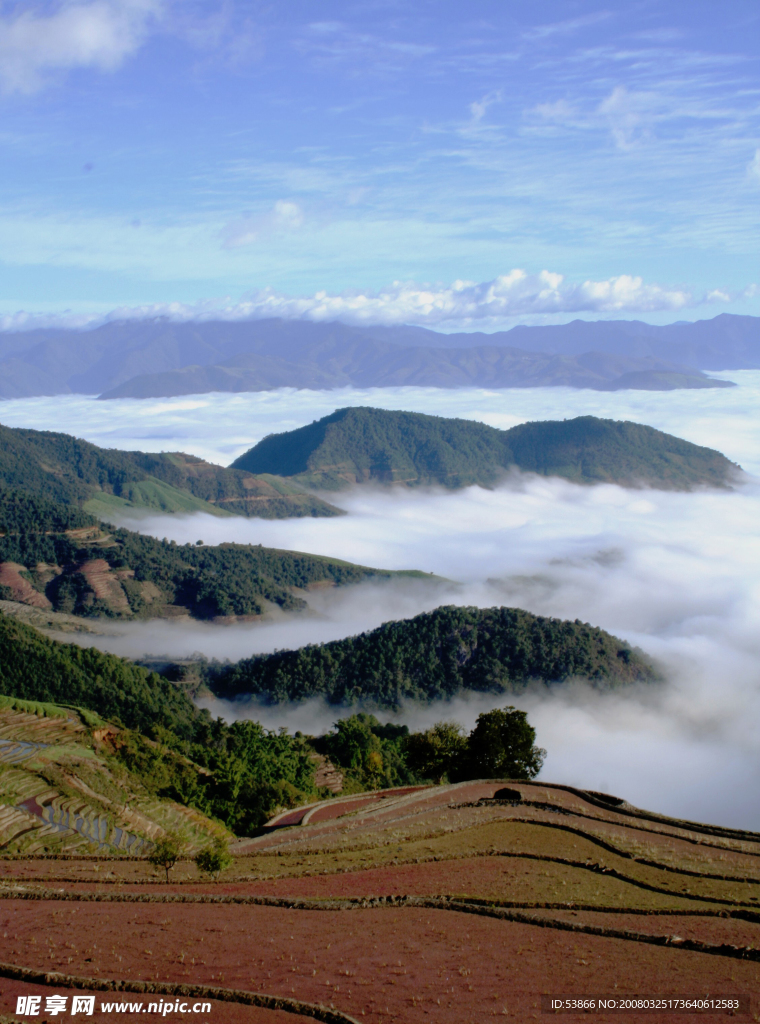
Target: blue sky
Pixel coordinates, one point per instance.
(474, 164)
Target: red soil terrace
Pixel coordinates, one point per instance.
(573, 860)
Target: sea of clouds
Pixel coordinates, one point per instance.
(676, 574)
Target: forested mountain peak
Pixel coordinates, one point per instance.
(358, 444)
(437, 655)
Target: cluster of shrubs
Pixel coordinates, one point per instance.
(375, 756)
(212, 860)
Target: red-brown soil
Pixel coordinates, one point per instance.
(20, 587)
(495, 878)
(409, 964)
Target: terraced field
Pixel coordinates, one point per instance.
(60, 792)
(446, 904)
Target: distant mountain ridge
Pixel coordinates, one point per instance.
(160, 357)
(357, 445)
(371, 363)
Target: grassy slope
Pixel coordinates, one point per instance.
(72, 471)
(151, 495)
(437, 655)
(358, 444)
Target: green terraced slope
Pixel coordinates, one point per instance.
(75, 472)
(171, 749)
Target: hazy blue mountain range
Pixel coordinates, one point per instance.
(106, 481)
(436, 656)
(159, 357)
(727, 342)
(356, 445)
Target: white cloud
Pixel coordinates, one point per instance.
(513, 294)
(560, 112)
(753, 167)
(479, 108)
(75, 35)
(463, 304)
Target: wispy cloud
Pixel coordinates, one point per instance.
(479, 108)
(285, 215)
(626, 114)
(566, 27)
(328, 43)
(35, 44)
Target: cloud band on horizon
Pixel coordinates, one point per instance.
(461, 303)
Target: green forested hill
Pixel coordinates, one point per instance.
(590, 450)
(358, 444)
(437, 655)
(66, 469)
(123, 573)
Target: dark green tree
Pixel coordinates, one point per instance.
(439, 752)
(353, 741)
(502, 746)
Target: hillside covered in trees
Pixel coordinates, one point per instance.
(437, 655)
(355, 445)
(124, 574)
(21, 512)
(238, 774)
(74, 472)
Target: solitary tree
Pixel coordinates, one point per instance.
(214, 859)
(502, 745)
(166, 852)
(439, 752)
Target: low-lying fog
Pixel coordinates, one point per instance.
(676, 574)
